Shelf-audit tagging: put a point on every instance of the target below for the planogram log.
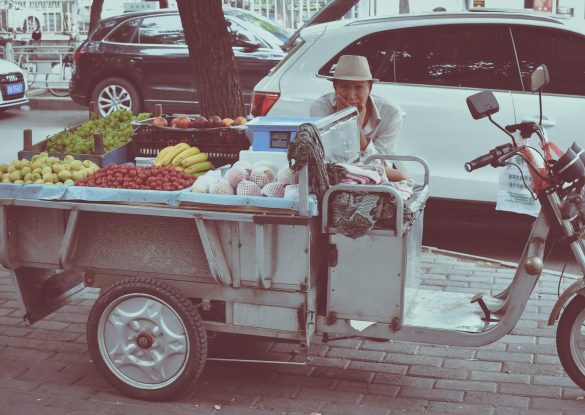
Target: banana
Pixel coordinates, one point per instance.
(184, 154)
(180, 168)
(199, 173)
(173, 152)
(159, 158)
(197, 158)
(199, 167)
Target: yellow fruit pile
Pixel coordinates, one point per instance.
(42, 169)
(183, 157)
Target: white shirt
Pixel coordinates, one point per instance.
(381, 130)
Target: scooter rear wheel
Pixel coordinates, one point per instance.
(571, 340)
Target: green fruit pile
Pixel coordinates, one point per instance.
(116, 129)
(42, 169)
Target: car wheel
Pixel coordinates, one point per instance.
(115, 93)
(146, 339)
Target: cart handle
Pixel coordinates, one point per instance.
(420, 160)
(371, 188)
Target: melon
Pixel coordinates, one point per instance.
(262, 175)
(248, 188)
(274, 189)
(291, 192)
(287, 176)
(235, 175)
(221, 187)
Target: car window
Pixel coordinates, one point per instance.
(374, 47)
(279, 32)
(472, 56)
(239, 31)
(126, 32)
(562, 52)
(161, 30)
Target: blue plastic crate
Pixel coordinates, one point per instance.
(275, 133)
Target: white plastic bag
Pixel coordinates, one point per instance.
(513, 196)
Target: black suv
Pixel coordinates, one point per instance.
(137, 60)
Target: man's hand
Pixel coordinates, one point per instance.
(341, 103)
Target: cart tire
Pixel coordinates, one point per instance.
(146, 339)
(571, 340)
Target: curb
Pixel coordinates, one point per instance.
(507, 264)
(54, 103)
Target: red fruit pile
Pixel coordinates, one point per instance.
(146, 178)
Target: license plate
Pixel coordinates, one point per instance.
(14, 89)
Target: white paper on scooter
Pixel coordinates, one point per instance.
(360, 325)
(513, 196)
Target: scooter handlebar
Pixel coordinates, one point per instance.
(491, 158)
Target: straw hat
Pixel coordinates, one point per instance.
(352, 68)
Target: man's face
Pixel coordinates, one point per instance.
(354, 92)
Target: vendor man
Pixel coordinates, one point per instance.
(380, 120)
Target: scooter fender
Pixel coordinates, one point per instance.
(578, 287)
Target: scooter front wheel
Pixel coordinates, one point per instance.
(571, 340)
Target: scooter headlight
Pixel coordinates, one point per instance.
(570, 166)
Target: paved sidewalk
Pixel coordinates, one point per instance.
(45, 369)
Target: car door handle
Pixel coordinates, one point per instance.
(136, 59)
(545, 121)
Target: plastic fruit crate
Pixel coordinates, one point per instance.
(119, 155)
(222, 144)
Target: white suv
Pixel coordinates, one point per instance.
(429, 64)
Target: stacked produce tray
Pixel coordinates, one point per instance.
(119, 155)
(222, 144)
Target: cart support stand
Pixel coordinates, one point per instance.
(69, 240)
(6, 251)
(213, 251)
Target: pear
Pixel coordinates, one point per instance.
(39, 181)
(3, 167)
(53, 160)
(19, 182)
(68, 158)
(15, 175)
(26, 170)
(75, 165)
(64, 175)
(28, 177)
(17, 164)
(48, 177)
(69, 182)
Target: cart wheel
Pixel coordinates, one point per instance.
(146, 339)
(571, 340)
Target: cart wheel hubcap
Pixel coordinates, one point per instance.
(143, 341)
(112, 98)
(577, 341)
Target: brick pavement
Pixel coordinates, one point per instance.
(45, 369)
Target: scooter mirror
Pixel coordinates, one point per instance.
(539, 78)
(482, 104)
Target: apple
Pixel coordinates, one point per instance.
(240, 120)
(183, 122)
(160, 122)
(214, 121)
(199, 122)
(227, 122)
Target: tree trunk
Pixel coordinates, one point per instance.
(403, 7)
(95, 14)
(212, 57)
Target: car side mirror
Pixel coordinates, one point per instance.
(249, 43)
(539, 78)
(483, 104)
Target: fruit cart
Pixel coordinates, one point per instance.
(175, 265)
